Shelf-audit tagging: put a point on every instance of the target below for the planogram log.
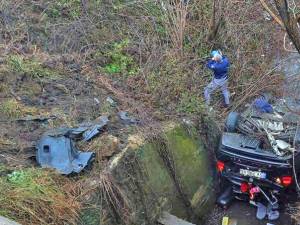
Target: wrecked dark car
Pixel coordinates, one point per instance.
(258, 157)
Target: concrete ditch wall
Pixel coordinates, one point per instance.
(170, 172)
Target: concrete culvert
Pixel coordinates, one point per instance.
(169, 172)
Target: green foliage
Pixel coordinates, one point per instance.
(27, 180)
(30, 67)
(90, 216)
(190, 103)
(17, 177)
(171, 83)
(72, 8)
(155, 10)
(121, 62)
(11, 108)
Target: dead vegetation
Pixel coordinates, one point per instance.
(143, 57)
(114, 198)
(33, 196)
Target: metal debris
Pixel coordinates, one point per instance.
(85, 130)
(275, 124)
(126, 119)
(57, 150)
(92, 131)
(60, 153)
(261, 211)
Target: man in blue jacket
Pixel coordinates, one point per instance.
(219, 65)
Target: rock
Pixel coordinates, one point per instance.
(5, 221)
(126, 119)
(135, 141)
(168, 219)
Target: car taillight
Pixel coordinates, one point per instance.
(244, 187)
(286, 180)
(220, 166)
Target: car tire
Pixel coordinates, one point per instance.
(231, 121)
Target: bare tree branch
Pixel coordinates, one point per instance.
(290, 22)
(273, 14)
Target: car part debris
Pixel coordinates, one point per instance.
(284, 145)
(273, 143)
(125, 118)
(57, 150)
(226, 197)
(273, 200)
(261, 211)
(273, 126)
(111, 101)
(258, 156)
(60, 153)
(94, 130)
(272, 213)
(275, 129)
(85, 130)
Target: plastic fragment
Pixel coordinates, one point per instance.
(125, 118)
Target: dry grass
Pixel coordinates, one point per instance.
(33, 196)
(104, 146)
(12, 109)
(114, 198)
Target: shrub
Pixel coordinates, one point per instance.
(72, 8)
(120, 61)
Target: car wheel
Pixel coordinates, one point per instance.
(231, 121)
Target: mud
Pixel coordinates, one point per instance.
(245, 215)
(69, 99)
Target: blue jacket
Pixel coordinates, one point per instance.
(220, 68)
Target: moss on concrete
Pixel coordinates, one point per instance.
(152, 187)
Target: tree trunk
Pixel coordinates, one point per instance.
(214, 25)
(290, 22)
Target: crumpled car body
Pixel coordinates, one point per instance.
(259, 151)
(60, 153)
